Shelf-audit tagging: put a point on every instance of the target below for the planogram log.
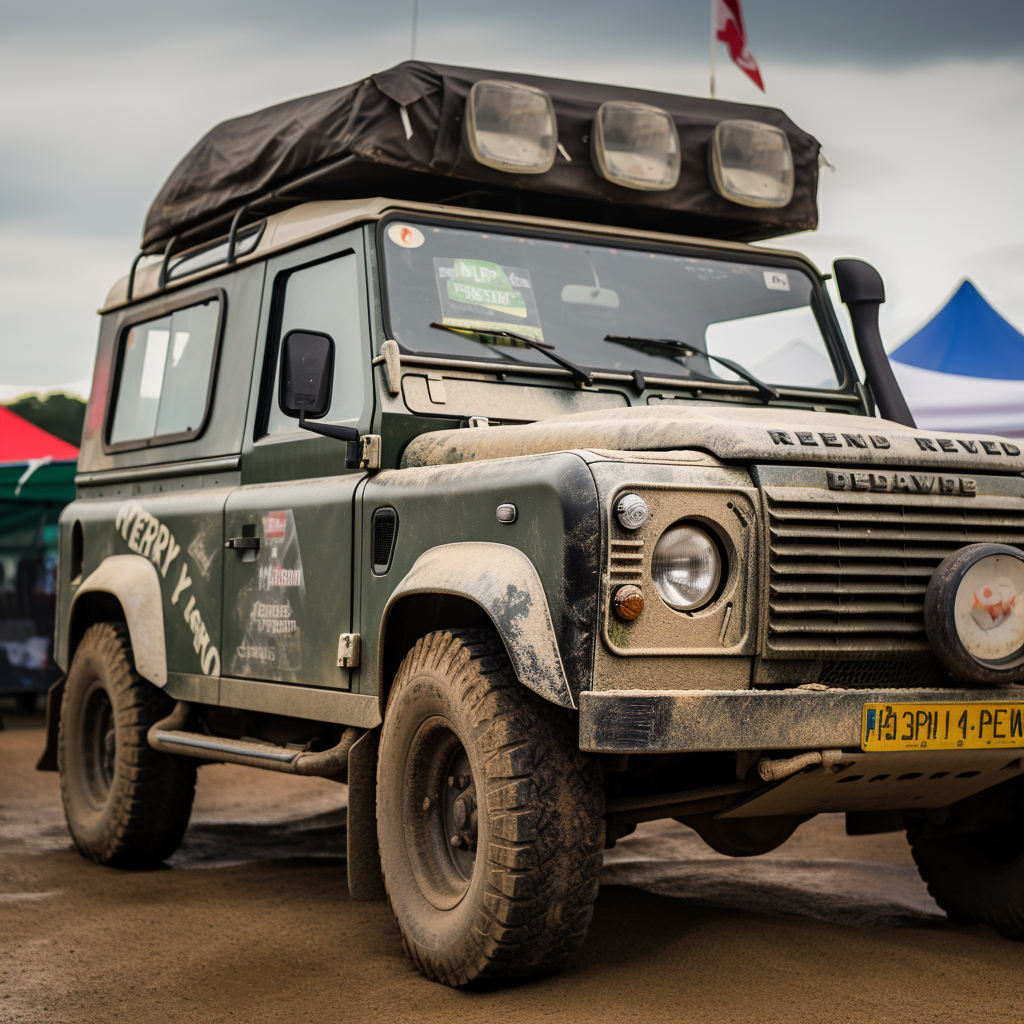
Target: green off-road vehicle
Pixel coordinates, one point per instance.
(533, 502)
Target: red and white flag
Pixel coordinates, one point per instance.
(731, 30)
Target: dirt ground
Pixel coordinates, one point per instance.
(251, 921)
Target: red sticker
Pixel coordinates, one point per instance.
(274, 524)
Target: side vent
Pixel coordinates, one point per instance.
(383, 532)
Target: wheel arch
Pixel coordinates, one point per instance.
(123, 588)
(477, 585)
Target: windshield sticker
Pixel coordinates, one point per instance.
(776, 280)
(485, 295)
(406, 236)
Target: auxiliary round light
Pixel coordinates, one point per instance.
(631, 511)
(637, 146)
(686, 567)
(511, 127)
(752, 164)
(973, 617)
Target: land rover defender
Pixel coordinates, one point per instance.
(449, 438)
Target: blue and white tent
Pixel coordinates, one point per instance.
(964, 370)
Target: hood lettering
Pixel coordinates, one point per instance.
(912, 483)
(825, 439)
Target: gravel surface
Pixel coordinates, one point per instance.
(251, 921)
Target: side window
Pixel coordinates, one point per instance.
(164, 375)
(322, 297)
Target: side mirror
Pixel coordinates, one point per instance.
(860, 287)
(307, 368)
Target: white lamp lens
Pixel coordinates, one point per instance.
(686, 567)
(752, 164)
(637, 146)
(988, 621)
(511, 127)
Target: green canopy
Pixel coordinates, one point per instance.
(32, 496)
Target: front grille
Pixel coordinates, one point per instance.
(887, 671)
(848, 574)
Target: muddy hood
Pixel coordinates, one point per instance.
(728, 433)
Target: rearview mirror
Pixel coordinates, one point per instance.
(307, 365)
(589, 295)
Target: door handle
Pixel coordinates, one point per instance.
(243, 543)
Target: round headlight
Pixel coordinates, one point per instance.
(686, 567)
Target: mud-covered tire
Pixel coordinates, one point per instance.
(126, 804)
(977, 876)
(518, 905)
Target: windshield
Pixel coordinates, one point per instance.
(573, 295)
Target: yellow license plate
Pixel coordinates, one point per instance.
(942, 726)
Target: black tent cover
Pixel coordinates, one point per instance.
(351, 143)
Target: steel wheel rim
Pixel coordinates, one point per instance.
(99, 745)
(439, 806)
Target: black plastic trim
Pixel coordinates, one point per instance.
(383, 568)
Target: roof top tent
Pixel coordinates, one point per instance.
(964, 369)
(37, 479)
(432, 133)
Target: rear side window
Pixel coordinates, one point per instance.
(164, 376)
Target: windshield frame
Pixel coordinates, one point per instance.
(820, 304)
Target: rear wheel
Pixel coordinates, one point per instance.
(489, 818)
(975, 867)
(126, 804)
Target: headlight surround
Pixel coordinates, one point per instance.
(686, 567)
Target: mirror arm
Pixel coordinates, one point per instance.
(349, 435)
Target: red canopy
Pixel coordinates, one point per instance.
(21, 441)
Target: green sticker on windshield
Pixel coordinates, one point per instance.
(479, 293)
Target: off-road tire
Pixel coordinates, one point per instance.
(977, 876)
(524, 900)
(126, 804)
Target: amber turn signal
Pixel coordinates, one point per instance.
(628, 602)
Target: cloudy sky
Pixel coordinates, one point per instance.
(919, 105)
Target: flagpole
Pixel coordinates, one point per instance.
(714, 40)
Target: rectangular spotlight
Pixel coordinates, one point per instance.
(511, 127)
(752, 164)
(637, 146)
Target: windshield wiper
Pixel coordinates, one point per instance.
(541, 346)
(681, 350)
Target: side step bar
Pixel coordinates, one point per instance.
(170, 736)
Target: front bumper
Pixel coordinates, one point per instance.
(691, 721)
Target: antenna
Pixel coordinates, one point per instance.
(415, 19)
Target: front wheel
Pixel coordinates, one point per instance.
(489, 818)
(975, 869)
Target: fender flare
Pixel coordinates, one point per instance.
(502, 581)
(134, 581)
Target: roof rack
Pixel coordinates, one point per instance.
(399, 133)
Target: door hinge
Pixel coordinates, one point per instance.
(369, 451)
(348, 650)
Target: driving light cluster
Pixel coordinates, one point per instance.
(512, 127)
(686, 567)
